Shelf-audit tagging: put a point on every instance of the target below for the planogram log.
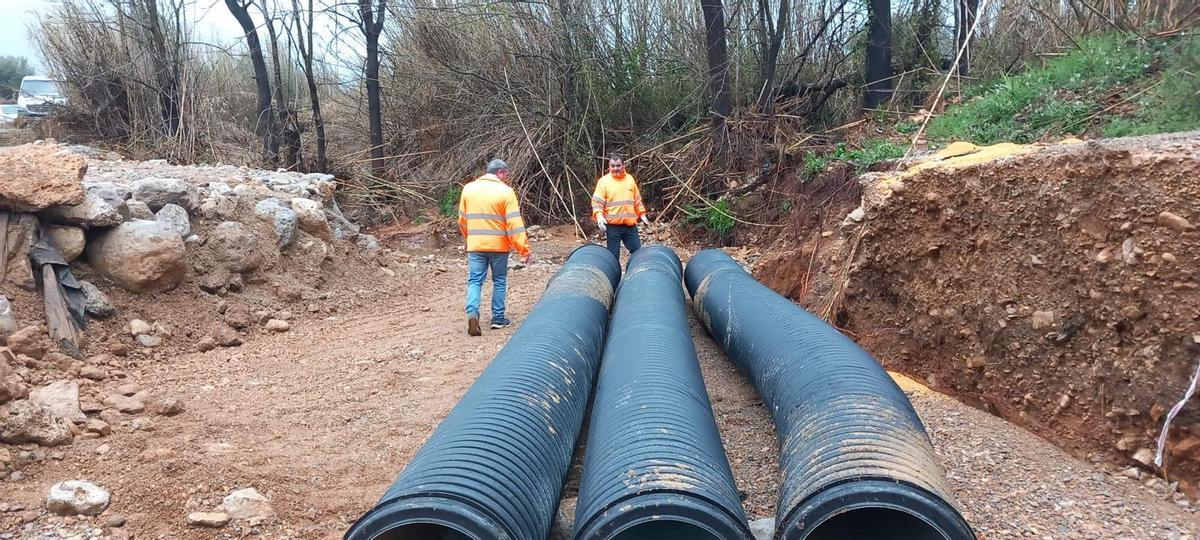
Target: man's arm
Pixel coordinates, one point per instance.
(462, 213)
(599, 200)
(515, 225)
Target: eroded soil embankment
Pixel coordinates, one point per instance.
(1056, 286)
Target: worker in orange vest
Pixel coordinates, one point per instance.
(617, 207)
(489, 218)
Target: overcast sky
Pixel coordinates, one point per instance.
(212, 23)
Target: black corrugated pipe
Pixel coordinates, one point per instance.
(855, 459)
(654, 468)
(495, 467)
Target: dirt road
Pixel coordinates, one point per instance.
(323, 417)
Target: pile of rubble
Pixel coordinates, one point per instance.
(133, 228)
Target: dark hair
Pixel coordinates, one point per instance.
(616, 156)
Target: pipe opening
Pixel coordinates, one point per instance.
(424, 531)
(665, 530)
(874, 523)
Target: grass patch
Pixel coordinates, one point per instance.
(870, 153)
(1085, 88)
(1174, 104)
(448, 206)
(814, 164)
(716, 217)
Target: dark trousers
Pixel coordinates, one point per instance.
(623, 233)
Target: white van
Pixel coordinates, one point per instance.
(39, 95)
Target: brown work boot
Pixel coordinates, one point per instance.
(473, 326)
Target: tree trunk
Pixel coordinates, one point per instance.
(879, 54)
(718, 73)
(281, 109)
(265, 124)
(964, 21)
(304, 34)
(166, 70)
(771, 62)
(372, 26)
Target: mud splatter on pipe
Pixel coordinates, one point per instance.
(495, 467)
(855, 459)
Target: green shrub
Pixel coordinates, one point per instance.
(715, 217)
(871, 152)
(814, 164)
(449, 203)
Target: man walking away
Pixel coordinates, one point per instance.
(617, 207)
(489, 218)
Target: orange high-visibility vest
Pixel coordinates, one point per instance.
(618, 199)
(489, 217)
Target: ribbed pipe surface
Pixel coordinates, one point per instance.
(654, 468)
(854, 457)
(495, 467)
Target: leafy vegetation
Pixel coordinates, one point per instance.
(870, 153)
(448, 206)
(714, 217)
(1095, 84)
(1174, 104)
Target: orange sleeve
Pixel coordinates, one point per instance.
(638, 206)
(598, 199)
(462, 213)
(515, 225)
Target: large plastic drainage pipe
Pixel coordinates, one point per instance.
(495, 467)
(654, 468)
(854, 457)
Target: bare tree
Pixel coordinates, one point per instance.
(283, 119)
(964, 19)
(304, 42)
(778, 29)
(371, 15)
(265, 124)
(165, 47)
(718, 71)
(879, 54)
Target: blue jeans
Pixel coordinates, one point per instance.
(478, 263)
(627, 233)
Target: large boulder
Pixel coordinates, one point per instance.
(92, 212)
(159, 192)
(141, 256)
(283, 219)
(235, 247)
(38, 176)
(313, 220)
(174, 218)
(62, 397)
(29, 422)
(69, 240)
